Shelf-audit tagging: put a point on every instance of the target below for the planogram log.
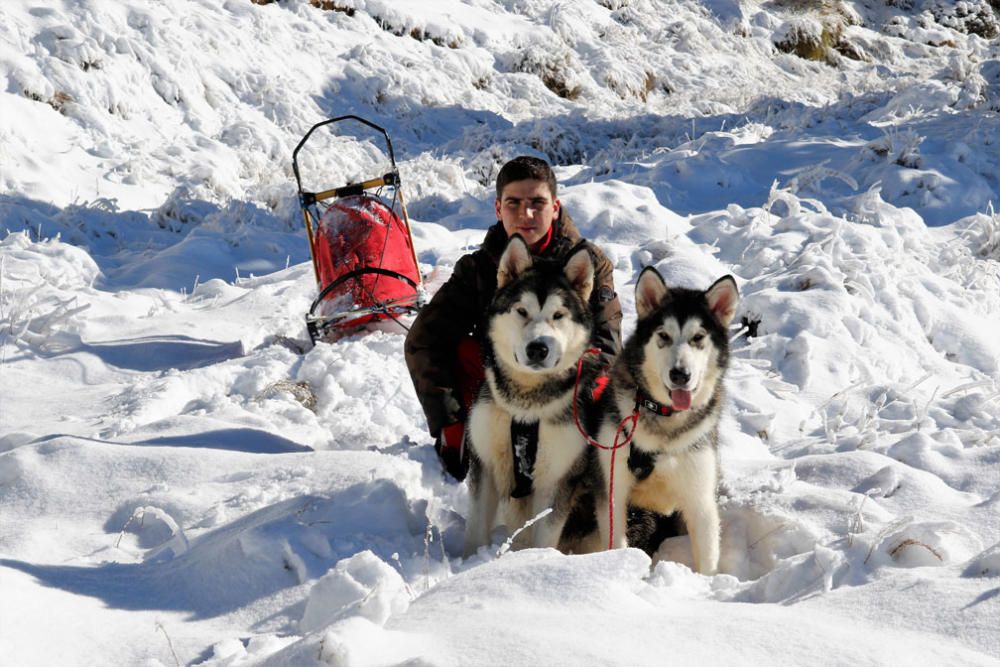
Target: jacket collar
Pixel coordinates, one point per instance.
(562, 228)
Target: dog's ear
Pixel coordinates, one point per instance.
(722, 298)
(579, 270)
(650, 291)
(516, 259)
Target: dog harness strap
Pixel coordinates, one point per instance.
(524, 443)
(642, 400)
(640, 462)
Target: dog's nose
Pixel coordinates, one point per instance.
(679, 376)
(537, 351)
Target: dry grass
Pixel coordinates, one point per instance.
(300, 391)
(816, 30)
(896, 551)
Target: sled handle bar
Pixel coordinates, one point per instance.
(302, 142)
(310, 198)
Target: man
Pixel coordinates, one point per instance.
(441, 352)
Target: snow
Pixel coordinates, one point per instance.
(184, 480)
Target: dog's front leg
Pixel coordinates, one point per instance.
(700, 510)
(484, 500)
(547, 530)
(703, 527)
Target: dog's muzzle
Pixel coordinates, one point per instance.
(680, 391)
(537, 350)
(538, 354)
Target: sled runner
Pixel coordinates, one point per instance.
(359, 234)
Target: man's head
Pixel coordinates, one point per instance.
(526, 199)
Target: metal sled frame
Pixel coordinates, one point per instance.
(321, 325)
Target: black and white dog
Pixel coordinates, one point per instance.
(526, 452)
(670, 371)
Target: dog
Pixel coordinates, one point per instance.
(526, 453)
(670, 375)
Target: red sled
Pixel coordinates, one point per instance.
(362, 249)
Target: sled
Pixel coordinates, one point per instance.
(359, 234)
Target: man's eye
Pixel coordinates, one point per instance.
(665, 337)
(523, 312)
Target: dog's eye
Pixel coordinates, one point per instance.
(522, 311)
(557, 315)
(665, 337)
(697, 338)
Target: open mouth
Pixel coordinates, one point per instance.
(680, 398)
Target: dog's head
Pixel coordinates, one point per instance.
(681, 346)
(539, 320)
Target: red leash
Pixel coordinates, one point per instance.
(633, 418)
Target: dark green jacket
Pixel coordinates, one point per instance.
(459, 307)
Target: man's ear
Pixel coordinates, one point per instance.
(496, 207)
(650, 291)
(516, 259)
(722, 298)
(556, 209)
(579, 270)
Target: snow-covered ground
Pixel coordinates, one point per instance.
(184, 481)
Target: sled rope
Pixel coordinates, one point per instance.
(629, 419)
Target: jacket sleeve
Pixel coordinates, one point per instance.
(606, 308)
(432, 343)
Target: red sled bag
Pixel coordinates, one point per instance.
(365, 262)
(359, 237)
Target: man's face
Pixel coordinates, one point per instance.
(527, 208)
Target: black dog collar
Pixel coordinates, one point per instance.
(645, 401)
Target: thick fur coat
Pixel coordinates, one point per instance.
(538, 326)
(671, 371)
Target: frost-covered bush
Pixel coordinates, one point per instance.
(971, 17)
(974, 17)
(816, 30)
(806, 37)
(985, 233)
(558, 68)
(990, 73)
(900, 147)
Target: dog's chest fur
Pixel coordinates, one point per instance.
(560, 446)
(681, 445)
(531, 399)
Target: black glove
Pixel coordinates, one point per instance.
(450, 448)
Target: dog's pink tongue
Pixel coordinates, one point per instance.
(681, 398)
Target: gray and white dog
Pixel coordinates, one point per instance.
(671, 372)
(526, 453)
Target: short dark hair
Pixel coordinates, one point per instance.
(524, 168)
